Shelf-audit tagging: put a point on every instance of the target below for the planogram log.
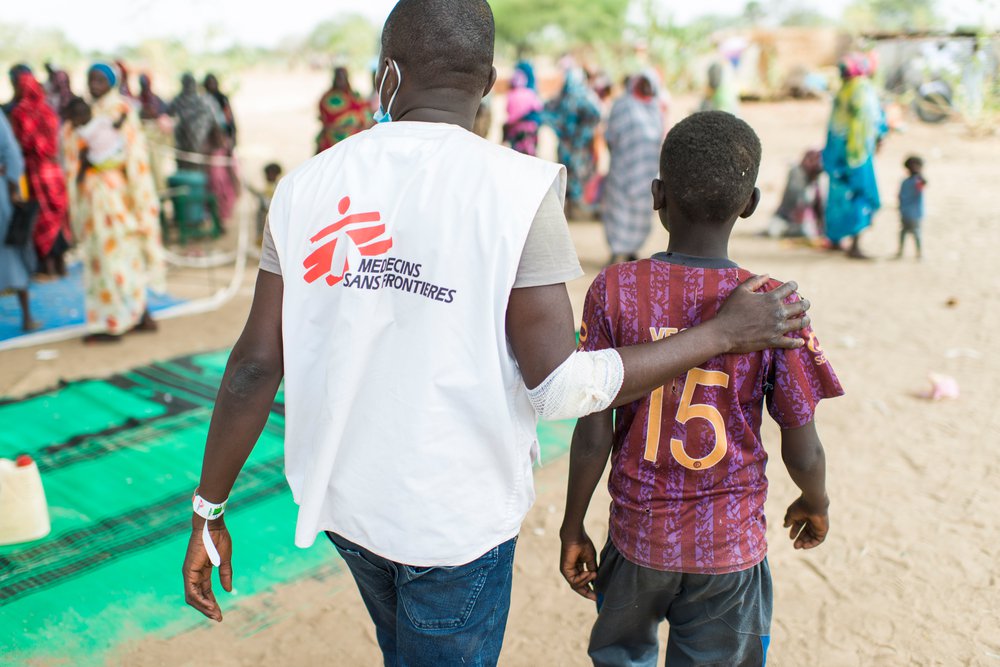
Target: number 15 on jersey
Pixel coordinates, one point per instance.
(686, 411)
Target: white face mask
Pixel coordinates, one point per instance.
(386, 115)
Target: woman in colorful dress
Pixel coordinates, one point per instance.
(36, 127)
(857, 126)
(116, 213)
(524, 108)
(342, 112)
(574, 116)
(634, 135)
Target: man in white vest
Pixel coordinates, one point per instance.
(412, 296)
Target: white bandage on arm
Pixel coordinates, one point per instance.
(586, 382)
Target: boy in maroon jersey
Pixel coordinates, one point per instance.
(687, 535)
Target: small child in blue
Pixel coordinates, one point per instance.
(911, 203)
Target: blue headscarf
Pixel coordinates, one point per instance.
(529, 73)
(107, 71)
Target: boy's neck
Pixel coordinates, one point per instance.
(700, 241)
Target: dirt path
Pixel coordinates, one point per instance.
(910, 572)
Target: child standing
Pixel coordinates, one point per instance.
(272, 173)
(687, 529)
(911, 203)
(104, 143)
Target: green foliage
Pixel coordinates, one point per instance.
(35, 47)
(892, 15)
(805, 18)
(350, 37)
(554, 25)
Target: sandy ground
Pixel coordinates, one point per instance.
(909, 574)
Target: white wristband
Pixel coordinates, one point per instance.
(207, 510)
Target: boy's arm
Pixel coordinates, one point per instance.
(802, 453)
(588, 457)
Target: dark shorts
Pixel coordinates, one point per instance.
(911, 225)
(715, 619)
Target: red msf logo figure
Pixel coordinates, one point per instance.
(352, 237)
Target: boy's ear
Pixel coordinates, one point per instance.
(659, 190)
(491, 82)
(752, 204)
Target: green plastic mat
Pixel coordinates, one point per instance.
(119, 458)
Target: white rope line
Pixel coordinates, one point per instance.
(198, 158)
(195, 307)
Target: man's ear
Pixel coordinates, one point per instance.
(659, 190)
(752, 204)
(491, 82)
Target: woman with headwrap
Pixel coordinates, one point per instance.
(36, 127)
(342, 112)
(634, 135)
(116, 212)
(16, 262)
(157, 127)
(574, 116)
(151, 105)
(524, 108)
(196, 115)
(14, 72)
(58, 90)
(801, 212)
(857, 126)
(226, 119)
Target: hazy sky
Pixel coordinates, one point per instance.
(106, 24)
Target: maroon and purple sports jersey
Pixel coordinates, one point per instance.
(687, 479)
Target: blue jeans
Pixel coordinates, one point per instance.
(435, 616)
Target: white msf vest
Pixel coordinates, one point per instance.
(408, 426)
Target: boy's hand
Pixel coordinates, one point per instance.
(579, 563)
(752, 321)
(809, 525)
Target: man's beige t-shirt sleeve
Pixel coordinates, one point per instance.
(268, 253)
(548, 257)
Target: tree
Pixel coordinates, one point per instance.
(538, 23)
(754, 12)
(892, 15)
(351, 37)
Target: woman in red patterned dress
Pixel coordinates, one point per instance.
(36, 127)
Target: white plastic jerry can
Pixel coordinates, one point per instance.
(24, 514)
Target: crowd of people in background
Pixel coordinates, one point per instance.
(85, 173)
(90, 174)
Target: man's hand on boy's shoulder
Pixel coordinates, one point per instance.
(751, 321)
(808, 523)
(578, 562)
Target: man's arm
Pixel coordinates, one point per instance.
(588, 457)
(242, 407)
(807, 518)
(540, 328)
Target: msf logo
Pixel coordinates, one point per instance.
(345, 242)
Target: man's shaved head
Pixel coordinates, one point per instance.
(442, 43)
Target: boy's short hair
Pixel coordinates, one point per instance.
(913, 162)
(272, 168)
(709, 164)
(442, 42)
